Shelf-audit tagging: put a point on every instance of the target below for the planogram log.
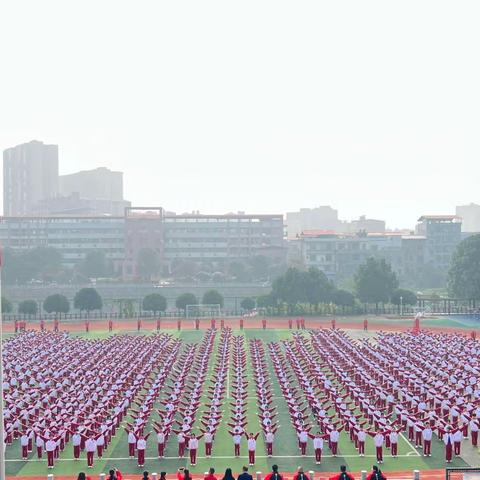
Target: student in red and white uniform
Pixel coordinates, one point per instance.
(40, 444)
(457, 442)
(208, 437)
(361, 437)
(181, 444)
(141, 446)
(269, 438)
(193, 448)
(333, 437)
(50, 447)
(378, 440)
(474, 424)
(427, 440)
(90, 448)
(24, 445)
(236, 437)
(448, 441)
(302, 441)
(318, 447)
(393, 437)
(252, 446)
(76, 442)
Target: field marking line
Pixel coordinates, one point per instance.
(413, 449)
(230, 457)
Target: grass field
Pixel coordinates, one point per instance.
(286, 453)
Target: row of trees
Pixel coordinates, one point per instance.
(88, 299)
(375, 282)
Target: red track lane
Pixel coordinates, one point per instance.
(252, 322)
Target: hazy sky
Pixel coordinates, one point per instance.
(370, 106)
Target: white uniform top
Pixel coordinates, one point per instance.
(457, 436)
(252, 444)
(318, 443)
(141, 444)
(193, 444)
(427, 434)
(160, 437)
(90, 445)
(361, 435)
(303, 436)
(269, 437)
(393, 437)
(208, 437)
(132, 438)
(50, 446)
(334, 436)
(237, 439)
(378, 440)
(39, 442)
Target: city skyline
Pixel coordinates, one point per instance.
(375, 118)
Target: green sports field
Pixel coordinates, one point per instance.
(286, 453)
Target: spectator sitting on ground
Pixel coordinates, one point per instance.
(163, 476)
(274, 475)
(183, 474)
(376, 474)
(228, 475)
(343, 475)
(210, 475)
(300, 475)
(245, 475)
(145, 475)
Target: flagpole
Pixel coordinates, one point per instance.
(2, 432)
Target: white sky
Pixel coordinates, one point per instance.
(372, 107)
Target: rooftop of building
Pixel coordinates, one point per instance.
(440, 218)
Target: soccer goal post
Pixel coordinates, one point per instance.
(207, 310)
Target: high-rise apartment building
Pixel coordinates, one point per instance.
(30, 175)
(100, 184)
(470, 215)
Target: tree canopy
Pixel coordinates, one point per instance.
(464, 273)
(95, 265)
(298, 286)
(87, 299)
(248, 303)
(185, 299)
(28, 307)
(42, 263)
(154, 302)
(401, 296)
(56, 303)
(148, 263)
(212, 297)
(375, 281)
(7, 306)
(343, 298)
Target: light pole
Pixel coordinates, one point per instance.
(401, 306)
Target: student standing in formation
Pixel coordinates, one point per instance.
(448, 441)
(141, 447)
(252, 446)
(50, 447)
(318, 447)
(90, 447)
(193, 447)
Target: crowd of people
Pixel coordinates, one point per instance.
(61, 390)
(275, 474)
